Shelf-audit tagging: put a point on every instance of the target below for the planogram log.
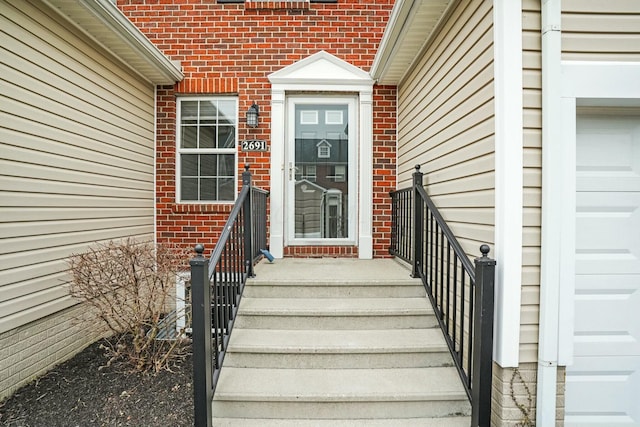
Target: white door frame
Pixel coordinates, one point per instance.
(602, 84)
(322, 73)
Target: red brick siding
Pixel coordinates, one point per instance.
(231, 49)
(384, 165)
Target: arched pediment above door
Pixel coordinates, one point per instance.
(322, 69)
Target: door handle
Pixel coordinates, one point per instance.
(292, 171)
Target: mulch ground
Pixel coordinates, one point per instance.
(84, 392)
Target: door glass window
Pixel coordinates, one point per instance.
(322, 171)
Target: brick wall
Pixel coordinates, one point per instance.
(231, 49)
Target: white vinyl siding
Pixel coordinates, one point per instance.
(77, 157)
(446, 123)
(601, 30)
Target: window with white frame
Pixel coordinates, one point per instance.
(206, 149)
(324, 149)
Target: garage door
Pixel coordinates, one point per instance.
(603, 384)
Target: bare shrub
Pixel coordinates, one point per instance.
(131, 285)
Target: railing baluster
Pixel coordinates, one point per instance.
(470, 333)
(225, 289)
(436, 263)
(427, 244)
(235, 261)
(448, 283)
(455, 296)
(408, 225)
(462, 321)
(217, 314)
(442, 271)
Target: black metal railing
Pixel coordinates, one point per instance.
(460, 291)
(216, 289)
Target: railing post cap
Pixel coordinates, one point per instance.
(484, 249)
(199, 259)
(484, 259)
(246, 167)
(417, 168)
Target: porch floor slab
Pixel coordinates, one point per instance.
(332, 270)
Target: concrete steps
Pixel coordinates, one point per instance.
(360, 346)
(325, 349)
(332, 313)
(339, 393)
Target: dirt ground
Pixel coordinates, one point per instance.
(83, 392)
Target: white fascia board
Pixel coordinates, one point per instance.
(508, 179)
(104, 13)
(390, 39)
(111, 16)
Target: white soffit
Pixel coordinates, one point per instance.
(103, 22)
(410, 26)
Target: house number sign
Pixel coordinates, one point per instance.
(254, 145)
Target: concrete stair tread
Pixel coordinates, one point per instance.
(343, 385)
(335, 306)
(337, 341)
(334, 288)
(336, 282)
(402, 422)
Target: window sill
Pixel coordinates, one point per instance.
(290, 5)
(202, 208)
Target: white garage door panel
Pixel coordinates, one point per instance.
(614, 383)
(601, 247)
(596, 298)
(608, 148)
(603, 384)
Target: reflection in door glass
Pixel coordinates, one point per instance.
(322, 171)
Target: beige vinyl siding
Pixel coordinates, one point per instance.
(532, 179)
(446, 123)
(594, 30)
(76, 156)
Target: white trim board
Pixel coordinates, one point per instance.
(508, 179)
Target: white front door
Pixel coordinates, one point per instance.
(603, 383)
(321, 163)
